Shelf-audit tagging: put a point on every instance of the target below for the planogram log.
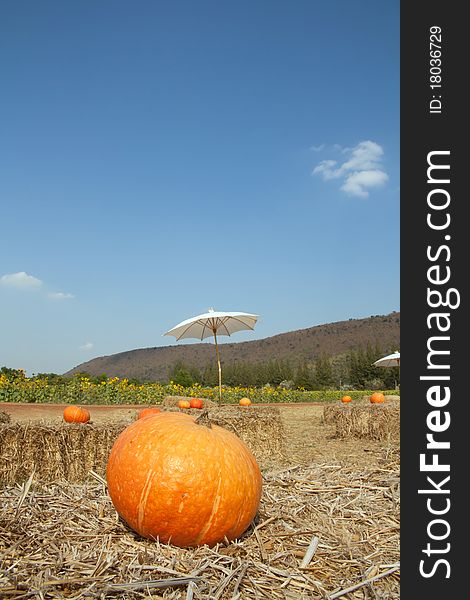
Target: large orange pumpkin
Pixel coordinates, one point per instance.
(245, 402)
(183, 482)
(377, 398)
(183, 404)
(146, 412)
(346, 399)
(76, 414)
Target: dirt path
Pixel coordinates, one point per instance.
(308, 439)
(301, 428)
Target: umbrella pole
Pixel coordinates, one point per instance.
(220, 369)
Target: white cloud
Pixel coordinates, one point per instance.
(358, 183)
(86, 346)
(361, 171)
(60, 296)
(327, 169)
(23, 281)
(20, 280)
(366, 155)
(318, 148)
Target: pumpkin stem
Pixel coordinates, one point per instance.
(204, 419)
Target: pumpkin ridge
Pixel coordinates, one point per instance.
(144, 497)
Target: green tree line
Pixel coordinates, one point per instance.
(353, 370)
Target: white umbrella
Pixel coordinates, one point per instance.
(214, 323)
(391, 360)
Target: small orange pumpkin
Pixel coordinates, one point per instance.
(377, 398)
(196, 403)
(184, 404)
(188, 484)
(76, 414)
(346, 399)
(146, 412)
(245, 402)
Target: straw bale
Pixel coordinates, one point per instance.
(55, 451)
(320, 530)
(259, 427)
(4, 417)
(373, 421)
(68, 452)
(330, 412)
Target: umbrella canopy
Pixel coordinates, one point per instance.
(214, 323)
(391, 360)
(222, 323)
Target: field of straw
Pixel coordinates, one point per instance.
(327, 527)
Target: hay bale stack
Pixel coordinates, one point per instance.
(58, 452)
(260, 427)
(4, 417)
(373, 422)
(330, 412)
(55, 452)
(172, 401)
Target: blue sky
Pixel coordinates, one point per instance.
(159, 158)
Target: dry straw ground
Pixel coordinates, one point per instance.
(328, 527)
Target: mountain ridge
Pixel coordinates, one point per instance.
(330, 339)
